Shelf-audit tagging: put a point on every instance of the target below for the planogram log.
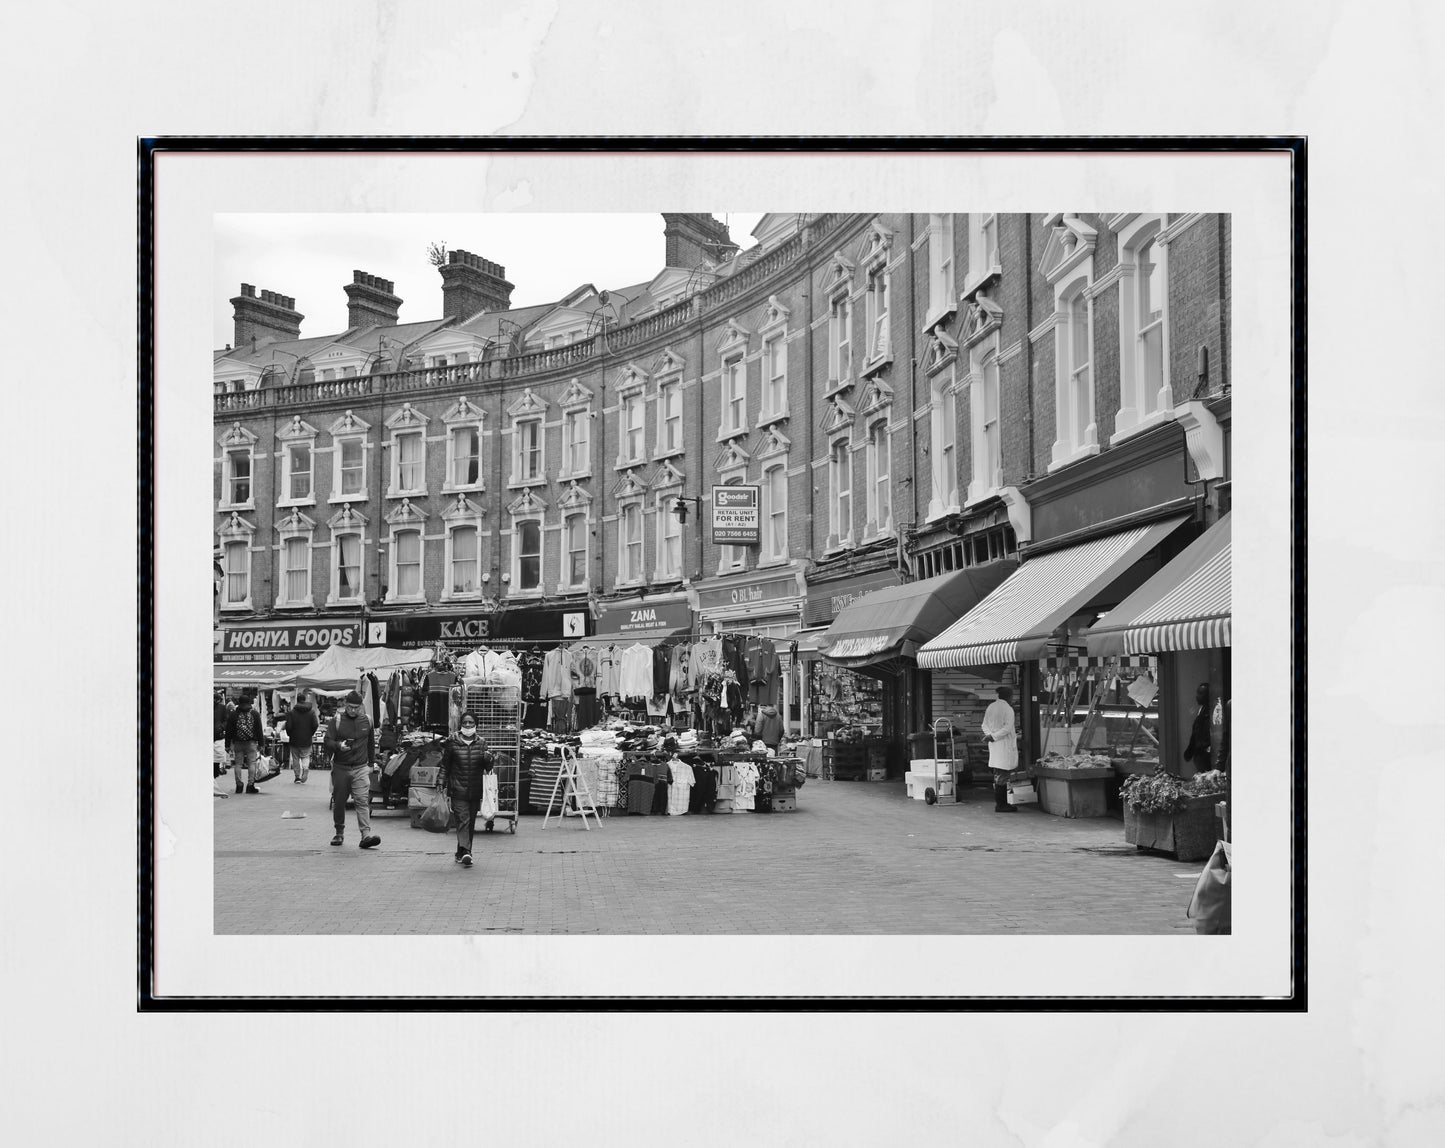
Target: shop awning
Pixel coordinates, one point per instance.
(262, 675)
(809, 643)
(1015, 622)
(338, 669)
(1186, 606)
(895, 621)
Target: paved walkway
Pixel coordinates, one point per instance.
(856, 857)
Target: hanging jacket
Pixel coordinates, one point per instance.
(463, 765)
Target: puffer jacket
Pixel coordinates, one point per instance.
(301, 724)
(462, 766)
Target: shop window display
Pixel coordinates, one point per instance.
(1107, 708)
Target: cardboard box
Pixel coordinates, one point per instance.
(423, 775)
(784, 803)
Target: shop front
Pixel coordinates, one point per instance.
(759, 605)
(1182, 616)
(869, 686)
(416, 631)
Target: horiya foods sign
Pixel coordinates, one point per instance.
(292, 642)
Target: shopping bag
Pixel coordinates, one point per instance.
(487, 809)
(1209, 908)
(437, 814)
(265, 769)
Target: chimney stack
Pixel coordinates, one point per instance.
(370, 302)
(471, 284)
(692, 239)
(265, 315)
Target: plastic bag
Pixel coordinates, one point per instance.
(265, 769)
(1209, 908)
(487, 809)
(437, 813)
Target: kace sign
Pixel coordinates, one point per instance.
(736, 515)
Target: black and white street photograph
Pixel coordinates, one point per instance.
(880, 558)
(805, 572)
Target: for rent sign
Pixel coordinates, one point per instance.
(736, 515)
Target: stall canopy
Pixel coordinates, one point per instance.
(809, 643)
(1186, 606)
(338, 669)
(895, 621)
(1015, 622)
(265, 677)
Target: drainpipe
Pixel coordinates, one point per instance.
(1028, 347)
(912, 389)
(812, 430)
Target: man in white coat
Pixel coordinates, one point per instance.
(1003, 750)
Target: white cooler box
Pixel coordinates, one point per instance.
(920, 778)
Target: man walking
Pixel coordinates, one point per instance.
(300, 729)
(1003, 750)
(243, 735)
(352, 749)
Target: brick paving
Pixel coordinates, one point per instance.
(855, 857)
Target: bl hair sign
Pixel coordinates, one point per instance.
(737, 515)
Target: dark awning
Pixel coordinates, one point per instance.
(894, 621)
(1015, 622)
(1186, 606)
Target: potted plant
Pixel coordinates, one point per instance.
(1075, 784)
(1163, 812)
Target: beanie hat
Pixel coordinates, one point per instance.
(244, 700)
(353, 698)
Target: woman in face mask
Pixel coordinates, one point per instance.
(465, 761)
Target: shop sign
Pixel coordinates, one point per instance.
(646, 619)
(747, 594)
(828, 599)
(856, 647)
(737, 515)
(296, 642)
(536, 625)
(413, 631)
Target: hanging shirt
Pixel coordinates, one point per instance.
(556, 680)
(607, 671)
(706, 659)
(584, 668)
(745, 784)
(681, 791)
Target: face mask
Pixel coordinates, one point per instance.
(469, 731)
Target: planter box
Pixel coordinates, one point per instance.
(1074, 792)
(1189, 834)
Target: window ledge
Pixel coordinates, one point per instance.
(1077, 456)
(838, 386)
(306, 605)
(726, 433)
(422, 493)
(236, 607)
(776, 560)
(629, 463)
(580, 476)
(771, 417)
(520, 483)
(935, 516)
(460, 596)
(980, 280)
(408, 600)
(229, 506)
(1149, 422)
(474, 488)
(535, 592)
(339, 498)
(660, 454)
(345, 602)
(877, 362)
(982, 496)
(934, 318)
(287, 503)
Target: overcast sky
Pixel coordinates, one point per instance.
(311, 257)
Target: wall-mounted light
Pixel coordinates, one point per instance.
(679, 508)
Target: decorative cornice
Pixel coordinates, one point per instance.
(407, 416)
(349, 423)
(576, 395)
(527, 503)
(296, 430)
(942, 350)
(463, 507)
(527, 403)
(1204, 437)
(237, 435)
(348, 517)
(464, 411)
(1011, 351)
(1070, 244)
(295, 523)
(575, 497)
(1178, 226)
(407, 512)
(1049, 322)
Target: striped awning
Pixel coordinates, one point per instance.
(1016, 621)
(1186, 606)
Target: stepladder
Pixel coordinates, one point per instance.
(575, 794)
